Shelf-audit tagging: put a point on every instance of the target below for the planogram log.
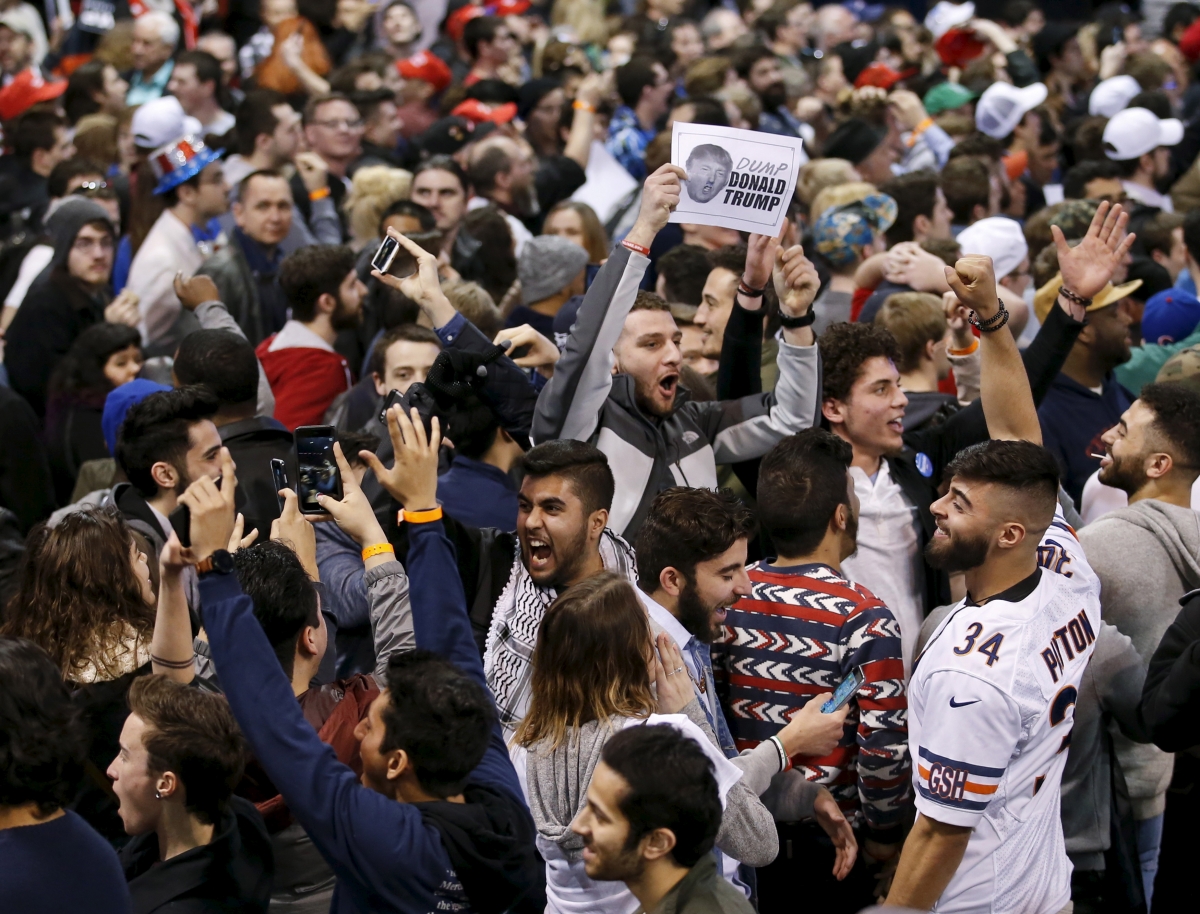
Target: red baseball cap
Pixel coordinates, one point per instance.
(509, 7)
(878, 74)
(427, 67)
(478, 112)
(958, 47)
(26, 90)
(457, 21)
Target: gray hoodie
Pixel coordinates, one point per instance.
(1147, 556)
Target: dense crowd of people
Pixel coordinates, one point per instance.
(652, 566)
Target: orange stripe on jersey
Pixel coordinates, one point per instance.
(980, 788)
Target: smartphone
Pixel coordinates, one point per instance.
(844, 692)
(393, 258)
(181, 521)
(279, 478)
(418, 396)
(318, 469)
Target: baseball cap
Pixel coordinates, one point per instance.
(1137, 131)
(1184, 367)
(1043, 299)
(1154, 277)
(958, 47)
(477, 112)
(547, 265)
(450, 134)
(457, 21)
(1002, 106)
(945, 16)
(1000, 238)
(26, 90)
(946, 96)
(17, 23)
(878, 74)
(864, 11)
(161, 121)
(841, 230)
(426, 67)
(1111, 95)
(119, 401)
(1170, 316)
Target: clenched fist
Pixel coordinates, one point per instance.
(973, 280)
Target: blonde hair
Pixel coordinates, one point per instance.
(840, 195)
(914, 319)
(819, 174)
(473, 302)
(372, 190)
(96, 138)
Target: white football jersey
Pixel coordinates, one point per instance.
(990, 708)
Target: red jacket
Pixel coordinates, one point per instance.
(304, 380)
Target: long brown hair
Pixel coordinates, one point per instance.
(77, 589)
(590, 662)
(594, 236)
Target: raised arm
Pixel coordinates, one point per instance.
(171, 651)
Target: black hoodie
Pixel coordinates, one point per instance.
(57, 308)
(231, 874)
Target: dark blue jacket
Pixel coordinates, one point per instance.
(386, 854)
(478, 494)
(1073, 418)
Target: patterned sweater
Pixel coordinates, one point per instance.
(799, 633)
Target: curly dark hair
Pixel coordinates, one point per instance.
(78, 589)
(42, 743)
(81, 372)
(844, 348)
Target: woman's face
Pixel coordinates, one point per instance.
(400, 25)
(141, 570)
(566, 223)
(114, 91)
(123, 365)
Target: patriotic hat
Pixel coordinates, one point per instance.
(181, 161)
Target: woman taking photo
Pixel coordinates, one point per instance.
(101, 359)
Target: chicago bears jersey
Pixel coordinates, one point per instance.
(991, 704)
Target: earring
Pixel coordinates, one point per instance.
(157, 795)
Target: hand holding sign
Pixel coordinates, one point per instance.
(660, 196)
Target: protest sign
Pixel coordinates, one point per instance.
(739, 179)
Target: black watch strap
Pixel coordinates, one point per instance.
(795, 323)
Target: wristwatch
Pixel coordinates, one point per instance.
(220, 562)
(795, 323)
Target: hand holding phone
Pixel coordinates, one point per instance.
(279, 479)
(318, 470)
(391, 258)
(844, 692)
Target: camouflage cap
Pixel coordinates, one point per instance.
(1183, 366)
(842, 231)
(1075, 217)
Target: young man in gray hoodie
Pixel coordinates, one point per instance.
(1148, 556)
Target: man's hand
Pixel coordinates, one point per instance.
(353, 513)
(412, 480)
(123, 309)
(660, 196)
(172, 558)
(196, 291)
(423, 286)
(812, 733)
(760, 258)
(295, 530)
(236, 539)
(591, 89)
(1088, 267)
(829, 816)
(973, 280)
(956, 319)
(542, 354)
(212, 510)
(312, 169)
(909, 264)
(906, 108)
(986, 30)
(796, 281)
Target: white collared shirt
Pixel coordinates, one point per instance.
(888, 560)
(1148, 196)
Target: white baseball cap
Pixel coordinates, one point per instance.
(1002, 106)
(1112, 95)
(1137, 131)
(1000, 238)
(945, 16)
(161, 121)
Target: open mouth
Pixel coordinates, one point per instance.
(667, 385)
(720, 613)
(897, 426)
(940, 532)
(540, 553)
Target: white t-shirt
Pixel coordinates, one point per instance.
(990, 709)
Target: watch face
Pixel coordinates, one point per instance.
(222, 562)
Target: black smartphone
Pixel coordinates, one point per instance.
(181, 521)
(279, 478)
(418, 396)
(394, 258)
(318, 469)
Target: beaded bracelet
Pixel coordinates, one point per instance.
(993, 323)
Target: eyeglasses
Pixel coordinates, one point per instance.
(341, 124)
(87, 245)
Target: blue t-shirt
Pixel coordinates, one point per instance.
(60, 865)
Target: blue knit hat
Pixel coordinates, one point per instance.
(119, 401)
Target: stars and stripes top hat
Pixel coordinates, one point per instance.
(181, 160)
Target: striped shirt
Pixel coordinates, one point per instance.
(800, 632)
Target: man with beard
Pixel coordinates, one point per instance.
(1147, 556)
(802, 629)
(325, 295)
(896, 471)
(654, 435)
(760, 68)
(708, 169)
(992, 696)
(502, 172)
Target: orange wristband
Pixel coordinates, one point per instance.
(583, 106)
(918, 130)
(319, 194)
(970, 349)
(422, 517)
(378, 549)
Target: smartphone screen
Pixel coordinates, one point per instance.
(844, 692)
(318, 471)
(279, 478)
(383, 257)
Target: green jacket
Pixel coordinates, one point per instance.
(703, 891)
(1147, 359)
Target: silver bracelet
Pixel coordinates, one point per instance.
(784, 762)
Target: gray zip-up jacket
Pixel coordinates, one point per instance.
(586, 402)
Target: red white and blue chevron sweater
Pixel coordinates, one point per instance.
(799, 633)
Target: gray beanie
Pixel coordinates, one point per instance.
(548, 264)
